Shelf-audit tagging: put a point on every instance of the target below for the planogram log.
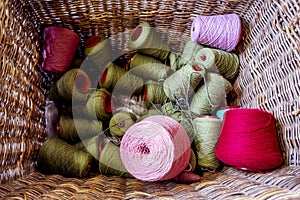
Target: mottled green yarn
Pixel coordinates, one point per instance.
(99, 104)
(207, 132)
(120, 122)
(182, 83)
(210, 95)
(91, 146)
(100, 53)
(215, 60)
(141, 59)
(149, 68)
(57, 156)
(119, 80)
(150, 112)
(154, 94)
(191, 48)
(110, 162)
(65, 88)
(181, 116)
(73, 130)
(148, 42)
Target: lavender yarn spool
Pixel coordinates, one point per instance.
(156, 148)
(226, 37)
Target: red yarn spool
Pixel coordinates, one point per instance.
(248, 140)
(60, 45)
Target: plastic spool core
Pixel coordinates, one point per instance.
(145, 94)
(92, 41)
(107, 103)
(82, 83)
(103, 76)
(203, 57)
(137, 32)
(57, 128)
(121, 124)
(89, 166)
(197, 68)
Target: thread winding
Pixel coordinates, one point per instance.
(210, 95)
(145, 39)
(156, 148)
(207, 132)
(248, 140)
(60, 45)
(225, 37)
(215, 60)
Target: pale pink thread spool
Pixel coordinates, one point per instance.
(156, 148)
(218, 31)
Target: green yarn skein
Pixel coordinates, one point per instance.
(207, 132)
(57, 156)
(120, 122)
(73, 85)
(215, 60)
(99, 104)
(210, 95)
(144, 39)
(110, 162)
(181, 116)
(72, 130)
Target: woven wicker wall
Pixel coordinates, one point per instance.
(22, 124)
(269, 56)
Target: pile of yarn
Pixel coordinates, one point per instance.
(156, 116)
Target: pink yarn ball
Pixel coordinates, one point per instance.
(156, 148)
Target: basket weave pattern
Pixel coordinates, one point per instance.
(269, 79)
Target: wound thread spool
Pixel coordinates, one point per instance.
(120, 122)
(215, 60)
(117, 79)
(207, 132)
(149, 68)
(145, 39)
(72, 130)
(57, 156)
(210, 95)
(156, 148)
(91, 146)
(141, 59)
(73, 85)
(100, 105)
(181, 116)
(99, 50)
(154, 94)
(181, 84)
(248, 140)
(60, 45)
(225, 37)
(110, 162)
(149, 112)
(175, 62)
(190, 50)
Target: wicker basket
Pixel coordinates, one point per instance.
(269, 79)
